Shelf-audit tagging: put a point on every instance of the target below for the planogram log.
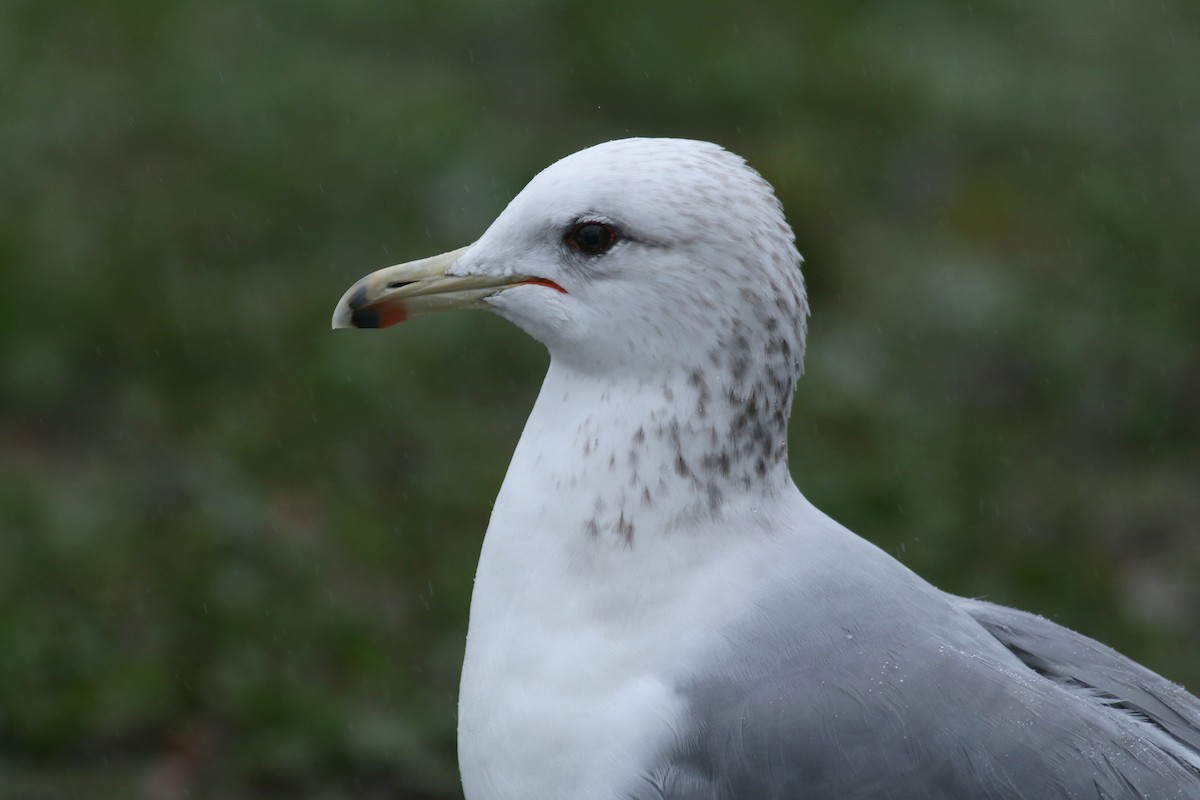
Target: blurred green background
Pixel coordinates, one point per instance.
(236, 548)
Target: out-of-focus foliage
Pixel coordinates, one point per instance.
(236, 548)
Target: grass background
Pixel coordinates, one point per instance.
(236, 549)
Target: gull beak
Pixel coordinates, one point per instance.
(393, 294)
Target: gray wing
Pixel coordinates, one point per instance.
(876, 685)
(1073, 660)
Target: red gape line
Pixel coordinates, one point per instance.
(544, 282)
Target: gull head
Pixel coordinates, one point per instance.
(636, 255)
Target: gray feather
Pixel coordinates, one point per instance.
(874, 684)
(1062, 655)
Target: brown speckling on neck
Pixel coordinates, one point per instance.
(684, 391)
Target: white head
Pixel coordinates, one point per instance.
(691, 254)
(666, 261)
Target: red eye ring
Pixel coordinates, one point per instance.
(591, 238)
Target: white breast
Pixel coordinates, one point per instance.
(563, 691)
(573, 654)
(552, 710)
(577, 635)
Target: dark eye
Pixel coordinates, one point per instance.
(592, 238)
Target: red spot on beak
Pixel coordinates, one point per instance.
(374, 315)
(379, 315)
(391, 313)
(544, 282)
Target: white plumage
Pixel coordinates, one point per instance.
(658, 612)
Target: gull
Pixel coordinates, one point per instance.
(658, 612)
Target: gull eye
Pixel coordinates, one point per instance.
(592, 238)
